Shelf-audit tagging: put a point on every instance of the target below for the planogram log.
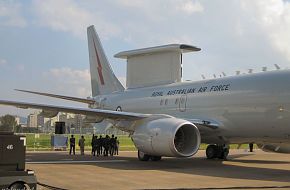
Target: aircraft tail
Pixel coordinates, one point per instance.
(103, 79)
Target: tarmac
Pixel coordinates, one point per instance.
(242, 170)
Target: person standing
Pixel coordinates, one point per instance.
(72, 145)
(251, 147)
(117, 143)
(82, 145)
(92, 144)
(101, 143)
(98, 146)
(106, 144)
(112, 145)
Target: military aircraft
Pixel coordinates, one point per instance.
(167, 117)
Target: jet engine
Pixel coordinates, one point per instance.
(277, 147)
(167, 137)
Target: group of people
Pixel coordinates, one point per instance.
(102, 146)
(105, 146)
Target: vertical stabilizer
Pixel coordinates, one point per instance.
(103, 79)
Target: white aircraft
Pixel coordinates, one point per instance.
(167, 117)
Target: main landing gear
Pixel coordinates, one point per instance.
(145, 157)
(217, 151)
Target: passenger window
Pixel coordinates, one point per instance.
(182, 101)
(176, 101)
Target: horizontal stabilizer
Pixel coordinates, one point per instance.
(75, 99)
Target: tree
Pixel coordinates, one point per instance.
(18, 129)
(8, 123)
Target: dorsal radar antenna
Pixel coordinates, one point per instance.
(154, 66)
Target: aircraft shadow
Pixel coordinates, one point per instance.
(205, 167)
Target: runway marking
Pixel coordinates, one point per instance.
(76, 161)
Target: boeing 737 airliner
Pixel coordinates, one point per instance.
(171, 118)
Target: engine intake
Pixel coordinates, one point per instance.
(167, 137)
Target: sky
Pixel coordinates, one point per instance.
(43, 44)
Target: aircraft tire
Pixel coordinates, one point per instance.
(156, 158)
(142, 156)
(211, 151)
(18, 185)
(222, 152)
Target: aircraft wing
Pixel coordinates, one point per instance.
(116, 115)
(205, 126)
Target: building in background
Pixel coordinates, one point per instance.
(35, 120)
(74, 123)
(32, 120)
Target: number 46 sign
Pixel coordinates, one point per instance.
(10, 147)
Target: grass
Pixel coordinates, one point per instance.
(126, 144)
(43, 142)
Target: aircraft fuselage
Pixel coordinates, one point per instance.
(249, 108)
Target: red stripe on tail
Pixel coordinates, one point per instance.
(99, 66)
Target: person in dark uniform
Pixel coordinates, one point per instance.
(94, 145)
(72, 143)
(251, 147)
(106, 144)
(98, 146)
(101, 142)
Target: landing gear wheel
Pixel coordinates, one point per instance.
(217, 151)
(155, 158)
(18, 185)
(223, 152)
(142, 156)
(211, 151)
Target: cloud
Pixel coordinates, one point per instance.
(3, 62)
(235, 35)
(10, 14)
(273, 16)
(69, 16)
(73, 81)
(20, 67)
(189, 7)
(63, 15)
(70, 81)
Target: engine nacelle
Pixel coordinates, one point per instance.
(278, 148)
(167, 137)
